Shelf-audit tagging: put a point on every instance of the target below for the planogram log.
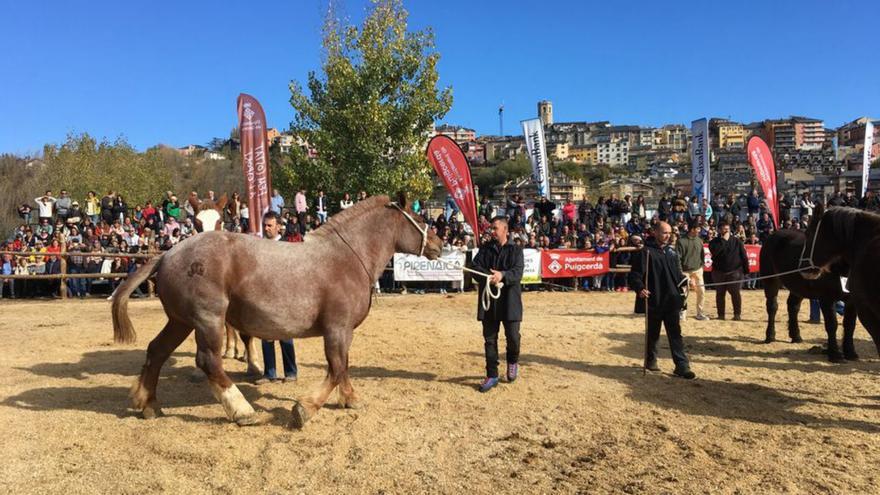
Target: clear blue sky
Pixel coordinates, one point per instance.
(169, 72)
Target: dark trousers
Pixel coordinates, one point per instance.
(288, 358)
(490, 335)
(672, 321)
(733, 289)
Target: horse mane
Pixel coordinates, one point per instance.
(843, 222)
(359, 210)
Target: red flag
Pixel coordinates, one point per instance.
(254, 159)
(452, 166)
(762, 161)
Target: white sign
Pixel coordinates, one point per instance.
(531, 265)
(411, 268)
(534, 133)
(866, 157)
(700, 160)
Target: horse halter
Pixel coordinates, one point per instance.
(809, 260)
(412, 220)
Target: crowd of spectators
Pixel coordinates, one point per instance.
(109, 224)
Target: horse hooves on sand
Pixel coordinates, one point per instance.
(769, 340)
(836, 358)
(299, 416)
(851, 357)
(151, 413)
(797, 339)
(249, 420)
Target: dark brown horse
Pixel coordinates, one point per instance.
(272, 290)
(779, 254)
(852, 237)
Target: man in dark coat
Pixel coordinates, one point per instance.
(504, 261)
(729, 264)
(664, 297)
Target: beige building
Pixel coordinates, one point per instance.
(615, 154)
(673, 137)
(731, 135)
(559, 151)
(583, 154)
(456, 133)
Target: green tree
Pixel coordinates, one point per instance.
(369, 114)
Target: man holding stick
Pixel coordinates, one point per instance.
(661, 289)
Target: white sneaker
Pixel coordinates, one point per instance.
(682, 315)
(702, 318)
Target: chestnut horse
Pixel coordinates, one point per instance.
(849, 236)
(272, 290)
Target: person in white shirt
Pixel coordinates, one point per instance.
(46, 203)
(346, 202)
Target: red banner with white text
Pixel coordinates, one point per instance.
(254, 159)
(762, 162)
(753, 252)
(563, 263)
(454, 170)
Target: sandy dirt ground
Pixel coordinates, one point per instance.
(582, 418)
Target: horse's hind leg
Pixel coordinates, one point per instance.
(250, 352)
(794, 307)
(143, 392)
(771, 290)
(209, 340)
(347, 396)
(336, 351)
(830, 316)
(231, 350)
(871, 320)
(849, 327)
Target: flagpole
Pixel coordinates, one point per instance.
(647, 338)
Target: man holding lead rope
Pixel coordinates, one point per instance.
(504, 261)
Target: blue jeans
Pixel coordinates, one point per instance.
(288, 358)
(815, 310)
(322, 215)
(76, 287)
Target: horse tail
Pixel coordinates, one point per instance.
(123, 330)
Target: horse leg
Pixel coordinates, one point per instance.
(250, 352)
(143, 392)
(850, 312)
(830, 316)
(771, 290)
(209, 339)
(794, 307)
(871, 320)
(231, 343)
(336, 351)
(347, 397)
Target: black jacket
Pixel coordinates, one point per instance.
(665, 278)
(509, 260)
(728, 256)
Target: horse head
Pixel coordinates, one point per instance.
(209, 214)
(414, 235)
(826, 239)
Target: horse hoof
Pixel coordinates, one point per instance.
(797, 339)
(151, 412)
(836, 358)
(299, 416)
(851, 357)
(248, 420)
(769, 340)
(353, 405)
(227, 355)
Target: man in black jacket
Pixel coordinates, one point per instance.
(504, 261)
(729, 264)
(664, 297)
